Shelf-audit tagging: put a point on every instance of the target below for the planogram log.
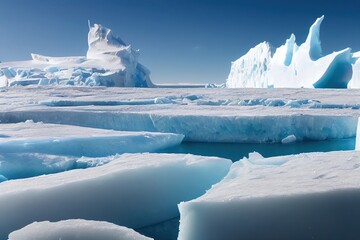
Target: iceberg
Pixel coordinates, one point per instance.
(108, 62)
(75, 229)
(133, 190)
(355, 80)
(56, 139)
(292, 66)
(305, 196)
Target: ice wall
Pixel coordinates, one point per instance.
(292, 66)
(108, 62)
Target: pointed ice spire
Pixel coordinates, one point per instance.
(313, 42)
(290, 43)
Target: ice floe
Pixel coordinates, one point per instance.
(134, 190)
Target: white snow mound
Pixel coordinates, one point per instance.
(75, 229)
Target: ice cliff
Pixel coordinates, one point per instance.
(292, 66)
(108, 62)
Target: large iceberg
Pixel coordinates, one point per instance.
(108, 62)
(75, 229)
(133, 190)
(306, 196)
(292, 66)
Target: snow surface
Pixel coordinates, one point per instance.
(205, 115)
(292, 66)
(305, 196)
(134, 190)
(30, 137)
(108, 62)
(75, 229)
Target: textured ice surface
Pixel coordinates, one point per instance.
(134, 190)
(30, 137)
(109, 62)
(292, 66)
(228, 115)
(302, 196)
(75, 229)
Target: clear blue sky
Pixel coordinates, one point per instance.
(179, 40)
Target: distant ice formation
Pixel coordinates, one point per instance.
(108, 62)
(75, 229)
(292, 66)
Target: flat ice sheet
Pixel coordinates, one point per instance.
(75, 229)
(313, 195)
(30, 137)
(205, 115)
(134, 190)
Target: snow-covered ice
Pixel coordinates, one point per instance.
(305, 196)
(30, 137)
(292, 66)
(205, 115)
(75, 229)
(108, 62)
(134, 190)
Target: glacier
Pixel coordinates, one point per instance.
(133, 190)
(303, 196)
(31, 137)
(292, 66)
(108, 62)
(75, 229)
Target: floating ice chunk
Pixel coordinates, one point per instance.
(75, 229)
(304, 197)
(30, 137)
(134, 190)
(290, 65)
(289, 139)
(162, 100)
